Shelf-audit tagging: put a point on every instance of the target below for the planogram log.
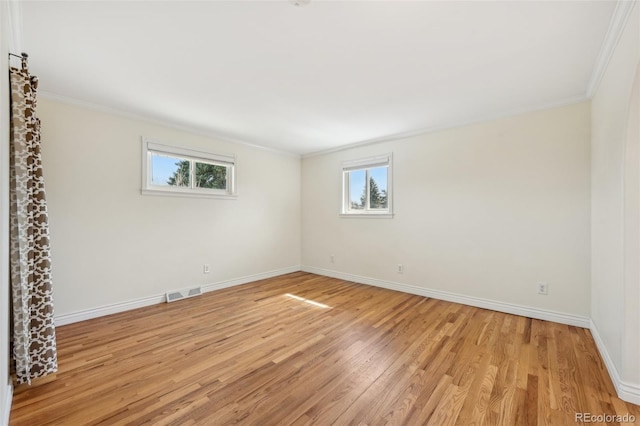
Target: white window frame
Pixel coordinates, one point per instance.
(365, 164)
(150, 147)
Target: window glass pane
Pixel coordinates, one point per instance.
(357, 189)
(169, 171)
(378, 188)
(211, 176)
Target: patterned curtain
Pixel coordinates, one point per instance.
(33, 337)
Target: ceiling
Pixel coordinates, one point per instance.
(316, 77)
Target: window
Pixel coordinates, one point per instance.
(366, 187)
(169, 170)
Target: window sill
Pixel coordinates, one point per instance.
(187, 194)
(367, 215)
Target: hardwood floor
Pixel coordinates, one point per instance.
(305, 349)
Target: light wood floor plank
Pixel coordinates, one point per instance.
(270, 353)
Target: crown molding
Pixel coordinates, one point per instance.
(393, 137)
(462, 123)
(157, 121)
(617, 24)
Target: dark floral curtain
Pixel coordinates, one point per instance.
(33, 330)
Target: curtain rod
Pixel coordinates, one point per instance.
(21, 56)
(24, 58)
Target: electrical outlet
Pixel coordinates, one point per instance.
(400, 268)
(332, 259)
(543, 288)
(205, 269)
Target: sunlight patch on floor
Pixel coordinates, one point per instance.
(311, 302)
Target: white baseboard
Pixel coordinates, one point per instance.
(249, 278)
(160, 298)
(510, 308)
(6, 405)
(629, 392)
(626, 391)
(102, 311)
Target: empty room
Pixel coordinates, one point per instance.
(292, 212)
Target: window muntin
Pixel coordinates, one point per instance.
(171, 170)
(367, 187)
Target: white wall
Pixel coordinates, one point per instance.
(631, 347)
(485, 211)
(614, 168)
(110, 244)
(5, 390)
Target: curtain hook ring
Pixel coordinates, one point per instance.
(25, 58)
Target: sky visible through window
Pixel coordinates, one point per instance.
(162, 168)
(357, 178)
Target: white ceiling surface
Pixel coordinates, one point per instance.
(312, 78)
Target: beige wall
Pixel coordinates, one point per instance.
(110, 244)
(614, 169)
(631, 347)
(5, 392)
(486, 211)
